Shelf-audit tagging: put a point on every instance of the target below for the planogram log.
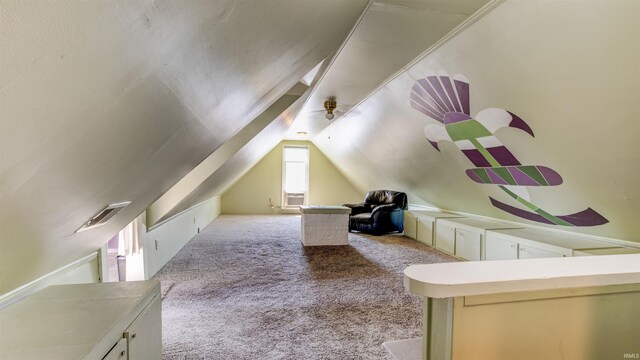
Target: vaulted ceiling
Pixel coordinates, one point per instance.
(166, 103)
(112, 101)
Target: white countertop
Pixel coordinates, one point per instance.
(435, 214)
(476, 223)
(492, 277)
(72, 321)
(325, 209)
(572, 241)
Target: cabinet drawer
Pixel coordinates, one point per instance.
(500, 249)
(531, 252)
(446, 238)
(424, 231)
(468, 244)
(144, 335)
(118, 352)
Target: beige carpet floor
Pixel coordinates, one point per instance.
(246, 288)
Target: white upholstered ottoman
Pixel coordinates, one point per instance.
(325, 225)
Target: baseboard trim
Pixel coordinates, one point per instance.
(40, 283)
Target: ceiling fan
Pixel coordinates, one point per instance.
(330, 106)
(331, 109)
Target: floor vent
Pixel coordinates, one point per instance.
(103, 216)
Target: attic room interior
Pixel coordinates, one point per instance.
(283, 179)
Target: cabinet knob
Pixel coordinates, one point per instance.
(123, 353)
(133, 336)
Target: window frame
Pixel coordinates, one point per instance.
(283, 192)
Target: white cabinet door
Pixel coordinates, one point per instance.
(530, 252)
(118, 352)
(500, 249)
(446, 238)
(424, 231)
(468, 244)
(145, 333)
(409, 225)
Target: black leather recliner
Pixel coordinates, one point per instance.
(381, 212)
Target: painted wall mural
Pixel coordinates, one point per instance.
(446, 100)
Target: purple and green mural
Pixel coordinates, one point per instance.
(446, 100)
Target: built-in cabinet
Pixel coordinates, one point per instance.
(472, 238)
(446, 237)
(113, 321)
(119, 351)
(409, 224)
(464, 237)
(497, 248)
(508, 244)
(144, 335)
(573, 308)
(421, 224)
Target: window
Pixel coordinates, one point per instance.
(295, 176)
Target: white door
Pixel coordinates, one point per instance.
(468, 244)
(118, 352)
(424, 231)
(145, 333)
(409, 225)
(446, 238)
(500, 249)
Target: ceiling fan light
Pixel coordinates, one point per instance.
(329, 116)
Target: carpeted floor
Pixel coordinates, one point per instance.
(246, 288)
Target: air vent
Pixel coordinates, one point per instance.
(103, 216)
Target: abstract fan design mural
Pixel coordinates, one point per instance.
(446, 100)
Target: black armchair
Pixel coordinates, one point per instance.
(381, 212)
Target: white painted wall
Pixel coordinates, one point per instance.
(251, 194)
(173, 234)
(82, 271)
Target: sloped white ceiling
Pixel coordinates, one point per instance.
(390, 34)
(568, 69)
(102, 102)
(228, 162)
